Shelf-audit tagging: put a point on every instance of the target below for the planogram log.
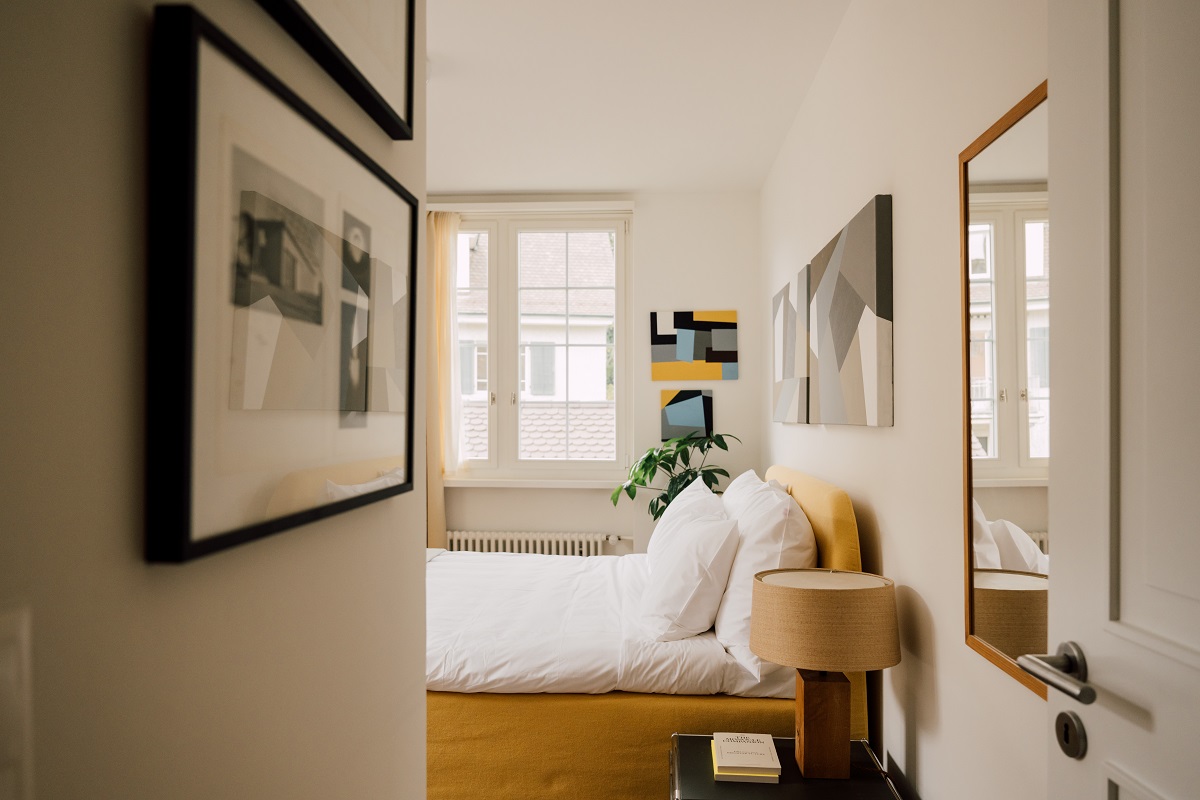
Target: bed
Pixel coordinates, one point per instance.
(515, 729)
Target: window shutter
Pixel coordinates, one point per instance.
(466, 366)
(542, 367)
(1039, 357)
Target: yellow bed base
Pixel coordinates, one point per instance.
(615, 746)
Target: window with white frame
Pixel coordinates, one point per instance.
(539, 315)
(1008, 267)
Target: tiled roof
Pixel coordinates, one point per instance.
(579, 258)
(545, 434)
(473, 431)
(475, 302)
(549, 262)
(981, 291)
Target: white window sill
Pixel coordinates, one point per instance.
(985, 482)
(480, 482)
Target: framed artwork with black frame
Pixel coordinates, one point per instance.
(280, 322)
(366, 46)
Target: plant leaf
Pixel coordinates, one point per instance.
(657, 506)
(679, 483)
(673, 459)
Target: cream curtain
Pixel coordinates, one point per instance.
(441, 429)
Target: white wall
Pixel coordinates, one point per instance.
(691, 251)
(904, 88)
(286, 668)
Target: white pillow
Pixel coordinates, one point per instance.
(987, 555)
(1000, 544)
(774, 533)
(689, 556)
(336, 491)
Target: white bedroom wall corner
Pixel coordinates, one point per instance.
(889, 112)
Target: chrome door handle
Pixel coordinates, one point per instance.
(1066, 671)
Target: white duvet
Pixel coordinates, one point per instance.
(505, 622)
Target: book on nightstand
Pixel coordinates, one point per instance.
(745, 757)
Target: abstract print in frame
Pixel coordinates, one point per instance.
(693, 346)
(686, 412)
(789, 339)
(280, 292)
(850, 322)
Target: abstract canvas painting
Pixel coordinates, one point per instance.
(686, 411)
(693, 346)
(789, 323)
(850, 322)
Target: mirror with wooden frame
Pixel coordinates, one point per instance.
(1005, 255)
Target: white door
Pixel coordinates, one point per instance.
(1125, 172)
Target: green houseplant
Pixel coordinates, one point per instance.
(680, 461)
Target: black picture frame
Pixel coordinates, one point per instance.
(244, 177)
(341, 50)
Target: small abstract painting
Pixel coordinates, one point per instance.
(693, 346)
(850, 322)
(789, 324)
(686, 412)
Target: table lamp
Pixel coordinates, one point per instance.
(1010, 610)
(825, 623)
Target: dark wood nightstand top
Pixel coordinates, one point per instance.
(692, 777)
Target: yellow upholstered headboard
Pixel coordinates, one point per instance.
(831, 515)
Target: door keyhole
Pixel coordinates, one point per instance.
(1072, 740)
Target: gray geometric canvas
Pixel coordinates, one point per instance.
(789, 322)
(850, 322)
(686, 412)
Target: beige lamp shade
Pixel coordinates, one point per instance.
(1010, 610)
(830, 620)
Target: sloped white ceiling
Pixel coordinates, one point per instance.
(621, 95)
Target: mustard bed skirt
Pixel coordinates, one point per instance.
(611, 746)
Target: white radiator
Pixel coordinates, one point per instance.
(1041, 539)
(558, 544)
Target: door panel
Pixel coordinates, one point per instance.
(1125, 162)
(1159, 110)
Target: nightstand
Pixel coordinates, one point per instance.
(692, 776)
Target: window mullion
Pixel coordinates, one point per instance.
(1020, 343)
(508, 344)
(1009, 215)
(567, 348)
(1007, 334)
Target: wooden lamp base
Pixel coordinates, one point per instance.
(822, 724)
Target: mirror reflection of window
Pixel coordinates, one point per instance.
(981, 236)
(1009, 269)
(1037, 336)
